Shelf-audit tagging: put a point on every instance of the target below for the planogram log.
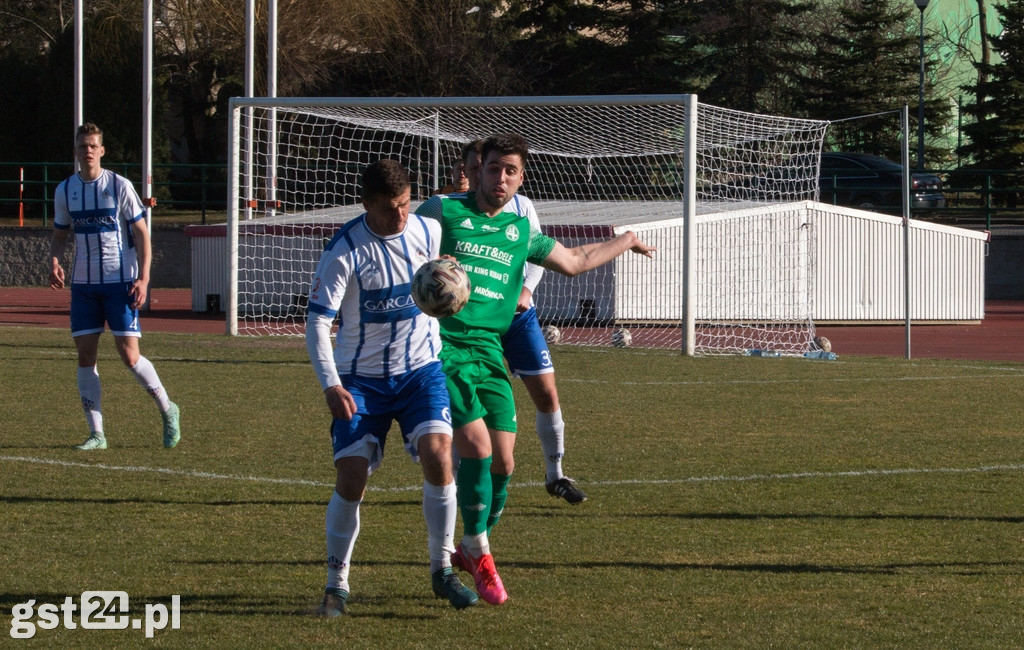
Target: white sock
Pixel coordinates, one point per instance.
(456, 460)
(551, 431)
(440, 510)
(89, 390)
(342, 530)
(477, 545)
(146, 375)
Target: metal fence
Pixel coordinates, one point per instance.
(26, 188)
(975, 199)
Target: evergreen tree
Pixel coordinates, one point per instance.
(749, 52)
(602, 47)
(995, 137)
(868, 65)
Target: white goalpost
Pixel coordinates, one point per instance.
(722, 194)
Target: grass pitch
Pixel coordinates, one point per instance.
(734, 502)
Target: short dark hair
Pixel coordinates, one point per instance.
(471, 148)
(387, 178)
(505, 144)
(88, 129)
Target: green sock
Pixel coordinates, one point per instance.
(474, 494)
(499, 495)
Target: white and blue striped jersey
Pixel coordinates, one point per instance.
(524, 208)
(101, 213)
(365, 280)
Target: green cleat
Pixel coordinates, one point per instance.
(333, 604)
(94, 441)
(172, 429)
(447, 585)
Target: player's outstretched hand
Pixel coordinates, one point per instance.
(641, 248)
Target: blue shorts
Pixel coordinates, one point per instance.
(524, 346)
(92, 305)
(417, 400)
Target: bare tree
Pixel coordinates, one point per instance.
(433, 47)
(986, 48)
(33, 25)
(201, 47)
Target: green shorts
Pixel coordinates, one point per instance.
(478, 383)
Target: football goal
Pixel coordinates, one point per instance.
(717, 191)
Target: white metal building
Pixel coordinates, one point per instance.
(850, 265)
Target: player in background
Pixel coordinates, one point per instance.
(460, 182)
(384, 367)
(109, 278)
(494, 244)
(528, 356)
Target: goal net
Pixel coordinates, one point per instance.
(720, 193)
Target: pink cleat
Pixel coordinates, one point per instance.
(485, 575)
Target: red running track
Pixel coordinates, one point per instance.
(999, 337)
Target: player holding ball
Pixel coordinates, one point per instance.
(494, 244)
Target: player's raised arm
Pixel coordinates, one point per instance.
(579, 259)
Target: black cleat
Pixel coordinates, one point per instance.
(447, 585)
(566, 488)
(333, 604)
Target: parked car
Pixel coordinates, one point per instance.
(870, 182)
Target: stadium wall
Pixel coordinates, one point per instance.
(24, 253)
(1004, 266)
(857, 279)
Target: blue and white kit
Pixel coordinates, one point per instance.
(523, 344)
(386, 348)
(101, 213)
(105, 265)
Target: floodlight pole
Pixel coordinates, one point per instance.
(271, 208)
(921, 5)
(77, 101)
(250, 84)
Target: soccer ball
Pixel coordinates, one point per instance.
(822, 343)
(621, 338)
(440, 288)
(551, 334)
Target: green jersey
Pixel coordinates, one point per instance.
(494, 252)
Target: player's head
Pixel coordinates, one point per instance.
(458, 178)
(386, 196)
(503, 158)
(89, 129)
(89, 145)
(471, 163)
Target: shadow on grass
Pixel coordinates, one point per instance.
(524, 511)
(229, 604)
(36, 345)
(1013, 567)
(113, 501)
(316, 562)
